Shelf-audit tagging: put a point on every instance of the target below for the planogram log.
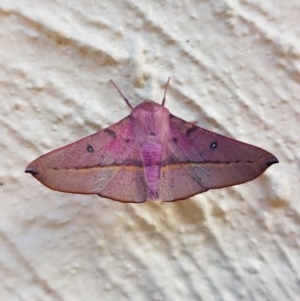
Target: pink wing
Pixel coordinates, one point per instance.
(198, 160)
(106, 163)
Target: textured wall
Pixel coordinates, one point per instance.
(235, 70)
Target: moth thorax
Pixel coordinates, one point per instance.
(150, 119)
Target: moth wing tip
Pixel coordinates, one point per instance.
(272, 161)
(31, 170)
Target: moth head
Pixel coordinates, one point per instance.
(149, 110)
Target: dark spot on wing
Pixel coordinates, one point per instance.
(110, 132)
(127, 140)
(152, 134)
(214, 145)
(175, 139)
(191, 130)
(90, 148)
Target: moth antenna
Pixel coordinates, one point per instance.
(165, 93)
(122, 95)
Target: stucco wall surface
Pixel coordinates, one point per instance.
(235, 70)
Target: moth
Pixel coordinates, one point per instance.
(150, 155)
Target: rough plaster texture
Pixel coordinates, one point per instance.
(235, 69)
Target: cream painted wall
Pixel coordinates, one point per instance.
(235, 70)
